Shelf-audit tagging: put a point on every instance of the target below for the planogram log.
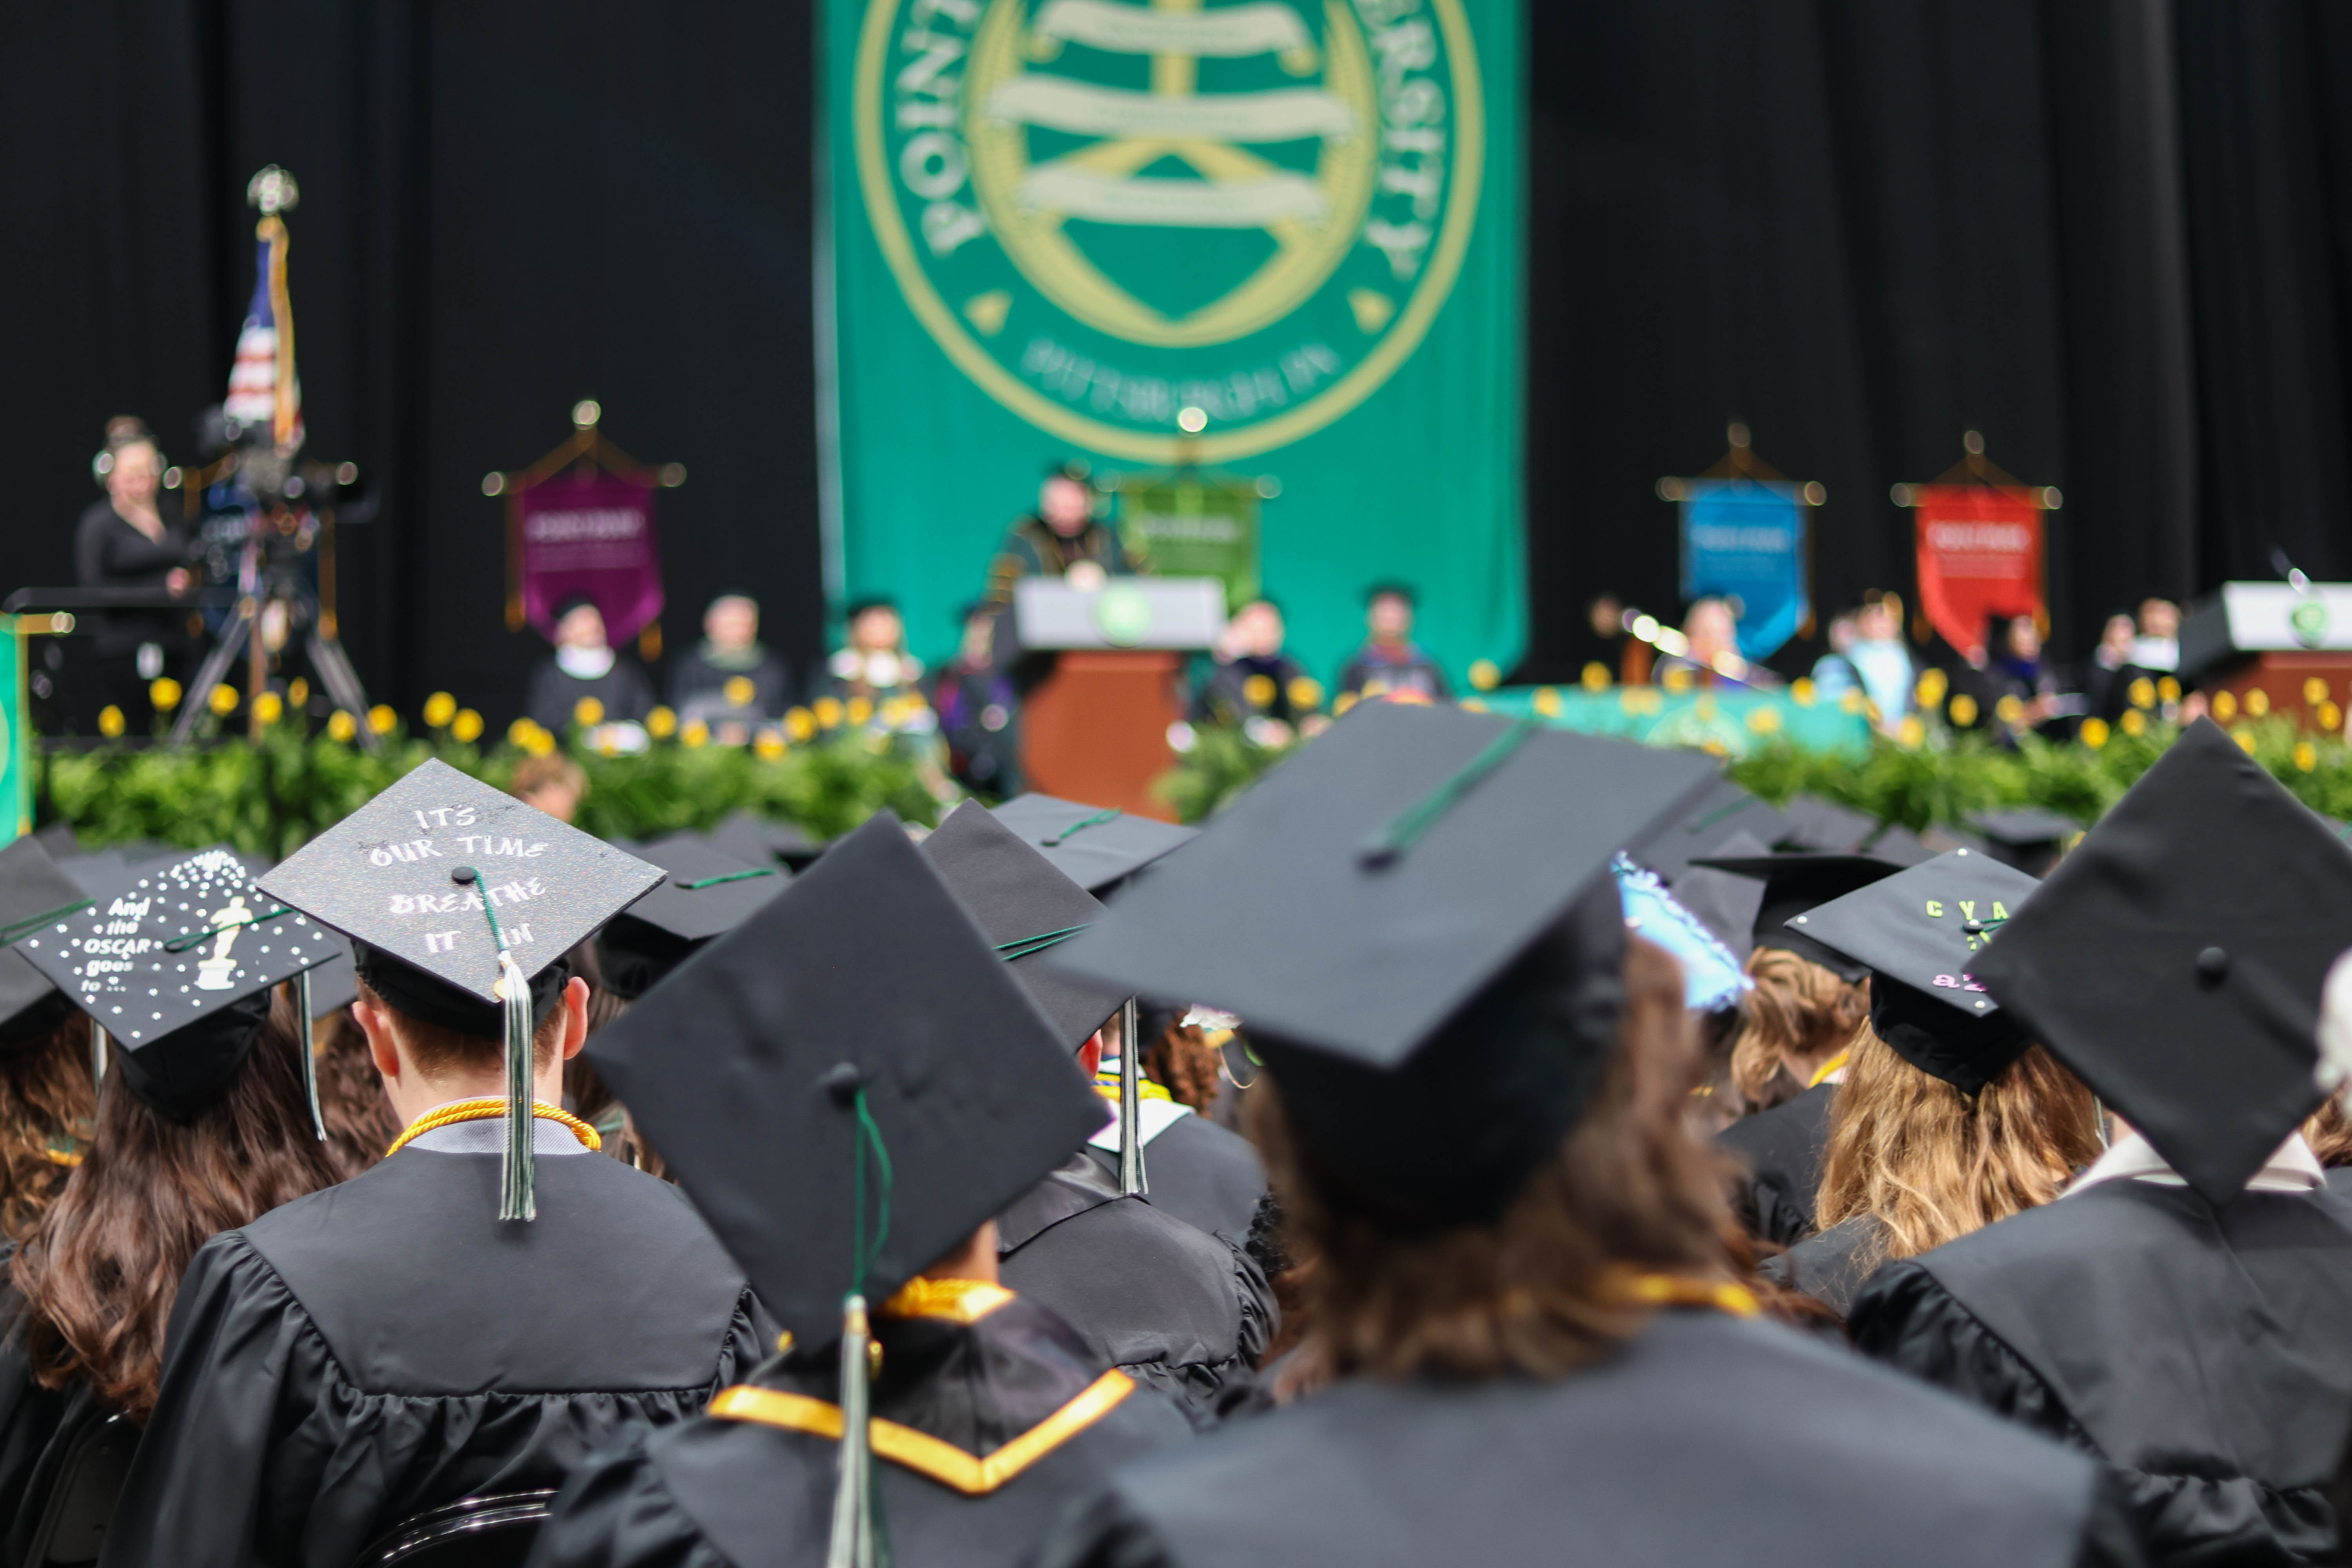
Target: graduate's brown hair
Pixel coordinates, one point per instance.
(45, 1104)
(1540, 1290)
(101, 1270)
(1797, 1006)
(1184, 1062)
(2329, 1133)
(1931, 1165)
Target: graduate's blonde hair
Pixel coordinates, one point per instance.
(1797, 1006)
(1931, 1165)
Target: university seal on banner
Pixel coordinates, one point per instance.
(1223, 223)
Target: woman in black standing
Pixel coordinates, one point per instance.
(126, 541)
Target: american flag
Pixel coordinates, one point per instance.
(262, 387)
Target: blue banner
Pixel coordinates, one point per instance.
(1745, 539)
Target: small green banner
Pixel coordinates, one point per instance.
(1190, 524)
(16, 733)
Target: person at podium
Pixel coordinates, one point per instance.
(1063, 538)
(125, 542)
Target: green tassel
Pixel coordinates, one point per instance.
(518, 1173)
(1405, 829)
(1131, 1180)
(1082, 824)
(854, 1542)
(310, 1052)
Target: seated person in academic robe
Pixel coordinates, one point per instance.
(481, 1310)
(980, 709)
(1257, 685)
(852, 1161)
(730, 677)
(874, 665)
(584, 669)
(203, 1125)
(1390, 664)
(2180, 1311)
(1064, 538)
(1950, 1117)
(1530, 1343)
(1182, 1311)
(1801, 1019)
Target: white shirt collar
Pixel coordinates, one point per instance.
(2292, 1167)
(584, 663)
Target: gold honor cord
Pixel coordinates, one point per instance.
(482, 1108)
(1401, 832)
(1082, 824)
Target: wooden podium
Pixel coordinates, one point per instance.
(1097, 729)
(2272, 648)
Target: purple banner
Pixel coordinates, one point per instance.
(591, 536)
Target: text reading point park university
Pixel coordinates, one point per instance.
(1271, 235)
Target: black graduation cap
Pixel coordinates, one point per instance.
(745, 1073)
(759, 840)
(58, 839)
(34, 893)
(1796, 881)
(1095, 847)
(1365, 889)
(1919, 932)
(1894, 842)
(1703, 823)
(1724, 901)
(1028, 909)
(708, 892)
(2026, 836)
(2174, 958)
(175, 962)
(1823, 826)
(461, 902)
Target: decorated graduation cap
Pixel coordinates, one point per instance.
(2175, 959)
(1919, 932)
(2026, 836)
(1796, 882)
(33, 894)
(461, 902)
(175, 960)
(1413, 918)
(842, 1119)
(1095, 847)
(1704, 823)
(1712, 977)
(708, 892)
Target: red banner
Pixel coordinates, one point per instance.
(1979, 556)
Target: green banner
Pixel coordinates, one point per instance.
(16, 732)
(1276, 238)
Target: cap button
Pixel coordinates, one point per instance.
(2212, 966)
(463, 876)
(842, 1081)
(1972, 927)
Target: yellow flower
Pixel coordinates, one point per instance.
(269, 708)
(1376, 687)
(1676, 681)
(828, 712)
(2134, 721)
(1472, 705)
(1258, 691)
(1595, 677)
(165, 694)
(1346, 700)
(342, 726)
(1910, 733)
(2331, 717)
(661, 724)
(297, 692)
(1484, 676)
(466, 726)
(2009, 710)
(1802, 689)
(519, 733)
(799, 723)
(770, 745)
(109, 722)
(1853, 702)
(1963, 709)
(588, 713)
(1933, 684)
(2169, 690)
(1548, 701)
(2258, 702)
(2225, 706)
(697, 734)
(2142, 691)
(2245, 738)
(380, 718)
(223, 700)
(1305, 693)
(739, 692)
(2314, 691)
(1764, 720)
(538, 742)
(2094, 732)
(2307, 755)
(439, 709)
(860, 709)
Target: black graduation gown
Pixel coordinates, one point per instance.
(30, 1416)
(723, 1493)
(625, 691)
(2206, 1354)
(1830, 1266)
(1782, 1147)
(1706, 1439)
(388, 1346)
(1173, 1306)
(1210, 1178)
(2339, 1181)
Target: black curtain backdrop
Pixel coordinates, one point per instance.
(2113, 236)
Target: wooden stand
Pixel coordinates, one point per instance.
(1097, 729)
(2285, 682)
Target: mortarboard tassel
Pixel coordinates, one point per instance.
(854, 1543)
(97, 1053)
(518, 1186)
(1131, 1180)
(310, 1052)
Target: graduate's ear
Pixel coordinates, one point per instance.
(575, 1016)
(375, 1023)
